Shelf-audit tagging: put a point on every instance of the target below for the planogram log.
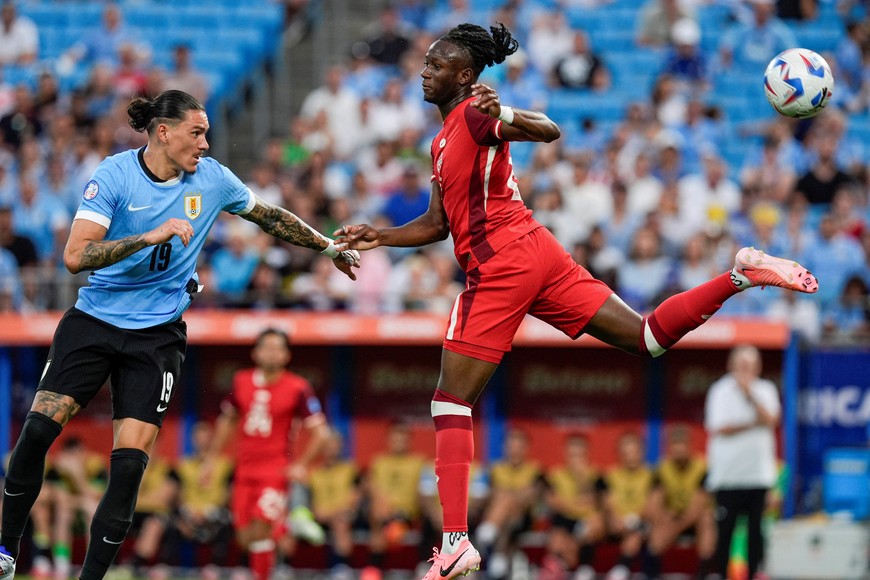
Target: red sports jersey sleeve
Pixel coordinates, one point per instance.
(478, 188)
(266, 414)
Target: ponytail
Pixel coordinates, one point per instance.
(172, 105)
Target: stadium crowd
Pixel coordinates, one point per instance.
(649, 203)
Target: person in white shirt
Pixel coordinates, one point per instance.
(742, 412)
(19, 37)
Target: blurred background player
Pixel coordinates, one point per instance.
(514, 489)
(258, 416)
(681, 504)
(76, 480)
(392, 482)
(203, 516)
(155, 505)
(573, 497)
(741, 414)
(627, 502)
(336, 495)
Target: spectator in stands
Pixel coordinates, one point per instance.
(697, 264)
(259, 414)
(515, 488)
(129, 78)
(573, 497)
(644, 188)
(21, 247)
(708, 196)
(751, 45)
(382, 168)
(836, 255)
(586, 198)
(523, 84)
(19, 37)
(99, 92)
(10, 282)
(644, 278)
(766, 172)
(77, 480)
(444, 17)
(619, 230)
(184, 76)
(796, 9)
(627, 502)
(41, 218)
(410, 200)
(849, 56)
(203, 515)
(580, 68)
(101, 45)
(336, 495)
(156, 503)
(391, 485)
(685, 61)
(340, 105)
(22, 122)
(319, 290)
(657, 19)
(681, 504)
(824, 178)
(389, 38)
(394, 112)
(849, 318)
(741, 414)
(549, 40)
(234, 264)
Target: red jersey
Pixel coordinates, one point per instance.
(266, 413)
(479, 191)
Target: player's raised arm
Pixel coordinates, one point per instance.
(285, 225)
(430, 227)
(516, 124)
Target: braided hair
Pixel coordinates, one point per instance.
(484, 49)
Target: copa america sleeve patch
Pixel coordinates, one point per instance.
(91, 190)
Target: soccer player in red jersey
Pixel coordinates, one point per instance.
(514, 266)
(259, 413)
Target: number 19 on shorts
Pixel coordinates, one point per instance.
(166, 393)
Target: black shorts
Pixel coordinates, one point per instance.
(144, 364)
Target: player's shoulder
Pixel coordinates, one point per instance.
(117, 165)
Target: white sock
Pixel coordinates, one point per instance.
(739, 280)
(450, 541)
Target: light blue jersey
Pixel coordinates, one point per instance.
(149, 287)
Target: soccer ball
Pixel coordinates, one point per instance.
(798, 83)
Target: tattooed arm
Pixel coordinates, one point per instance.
(87, 249)
(286, 226)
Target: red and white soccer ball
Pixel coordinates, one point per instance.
(798, 83)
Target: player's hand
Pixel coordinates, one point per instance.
(486, 101)
(359, 237)
(346, 261)
(171, 227)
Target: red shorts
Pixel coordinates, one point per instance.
(260, 500)
(531, 275)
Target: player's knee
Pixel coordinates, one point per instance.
(37, 436)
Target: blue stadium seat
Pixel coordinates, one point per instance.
(46, 14)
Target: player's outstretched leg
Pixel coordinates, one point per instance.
(618, 325)
(755, 268)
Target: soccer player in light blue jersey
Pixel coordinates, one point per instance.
(143, 220)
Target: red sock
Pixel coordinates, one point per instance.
(261, 558)
(454, 451)
(684, 312)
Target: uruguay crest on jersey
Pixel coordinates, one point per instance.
(193, 205)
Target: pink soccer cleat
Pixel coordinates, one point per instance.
(755, 268)
(464, 561)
